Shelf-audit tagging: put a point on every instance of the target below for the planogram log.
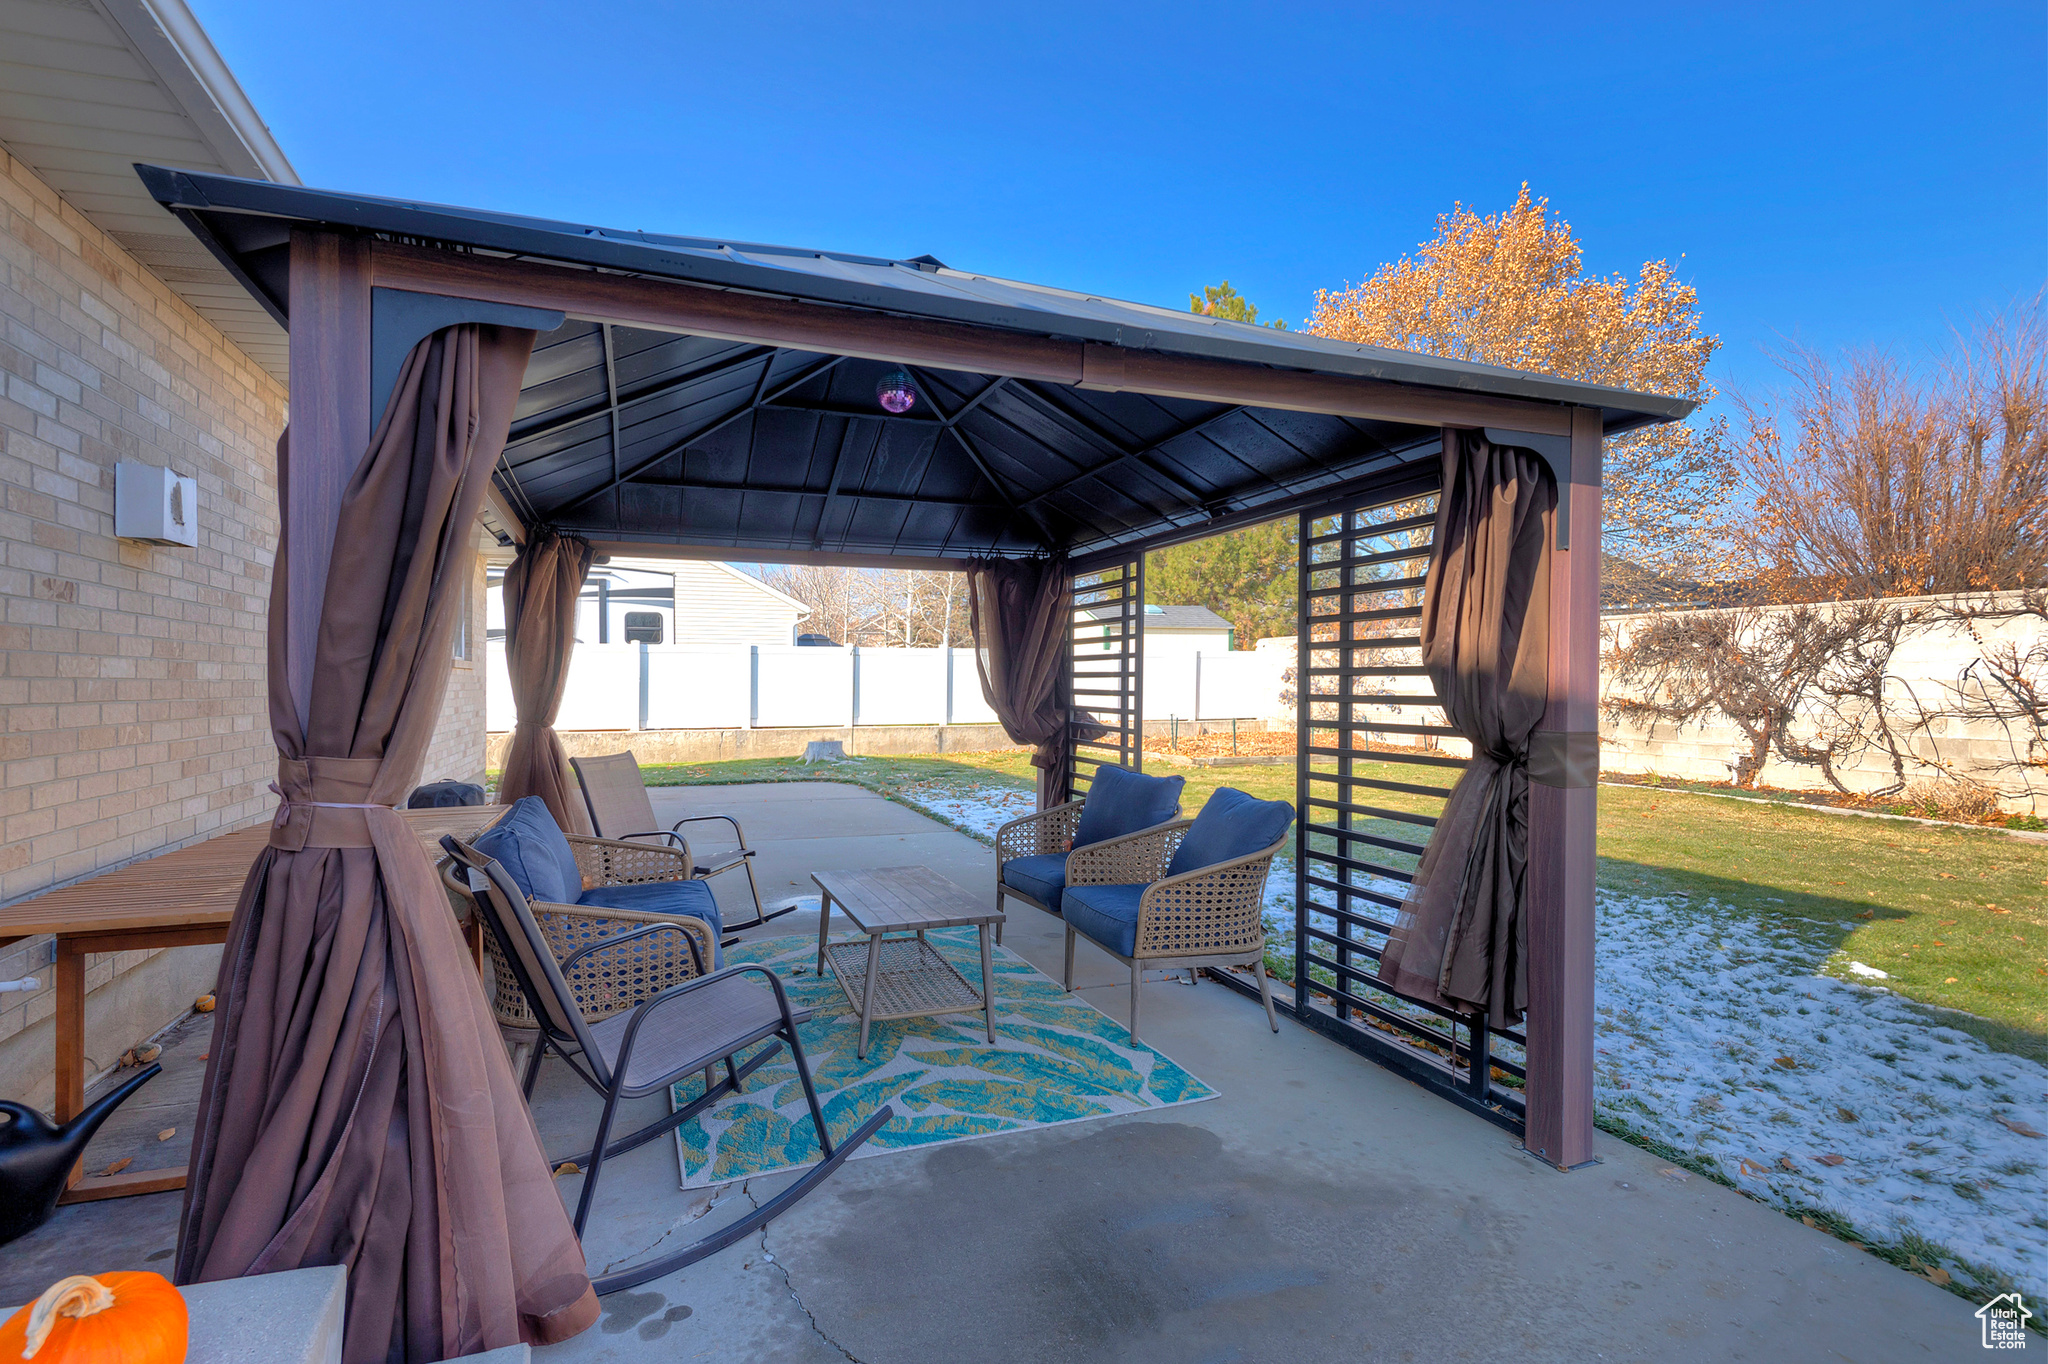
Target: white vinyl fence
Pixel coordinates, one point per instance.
(738, 686)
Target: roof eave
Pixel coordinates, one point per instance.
(192, 194)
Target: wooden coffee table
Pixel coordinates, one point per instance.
(902, 977)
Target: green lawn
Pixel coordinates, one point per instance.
(1957, 917)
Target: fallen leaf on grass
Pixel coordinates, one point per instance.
(119, 1165)
(2023, 1128)
(1846, 1114)
(1938, 1276)
(1950, 981)
(167, 1134)
(1786, 1062)
(1811, 1223)
(1830, 1159)
(1752, 1169)
(1785, 1163)
(1868, 914)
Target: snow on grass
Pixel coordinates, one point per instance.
(980, 810)
(1718, 1035)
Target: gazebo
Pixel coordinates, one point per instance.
(698, 398)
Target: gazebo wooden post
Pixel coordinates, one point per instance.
(330, 427)
(1562, 831)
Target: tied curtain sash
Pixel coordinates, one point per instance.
(358, 1107)
(1460, 938)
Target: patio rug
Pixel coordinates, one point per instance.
(1057, 1060)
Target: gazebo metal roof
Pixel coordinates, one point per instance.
(727, 440)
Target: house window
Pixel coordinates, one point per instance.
(643, 627)
(462, 626)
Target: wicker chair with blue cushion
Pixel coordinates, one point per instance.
(584, 890)
(1185, 896)
(1032, 852)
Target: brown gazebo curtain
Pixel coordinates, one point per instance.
(1459, 939)
(1021, 613)
(358, 1106)
(541, 590)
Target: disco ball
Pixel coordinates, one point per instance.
(896, 393)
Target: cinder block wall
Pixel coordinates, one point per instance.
(132, 677)
(1936, 662)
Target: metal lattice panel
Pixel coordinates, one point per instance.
(1377, 761)
(1105, 723)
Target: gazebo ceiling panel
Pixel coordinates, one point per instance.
(714, 395)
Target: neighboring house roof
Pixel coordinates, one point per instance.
(1171, 617)
(89, 87)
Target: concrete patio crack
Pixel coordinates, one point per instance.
(768, 1257)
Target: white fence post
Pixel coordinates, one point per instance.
(640, 714)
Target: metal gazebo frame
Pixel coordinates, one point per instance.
(698, 398)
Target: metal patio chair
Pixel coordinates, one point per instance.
(1185, 896)
(662, 1030)
(620, 809)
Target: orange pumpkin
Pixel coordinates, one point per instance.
(118, 1318)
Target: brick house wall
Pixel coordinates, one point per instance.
(458, 747)
(133, 711)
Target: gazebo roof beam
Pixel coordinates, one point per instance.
(703, 433)
(698, 485)
(592, 411)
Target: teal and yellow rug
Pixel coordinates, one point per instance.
(1057, 1059)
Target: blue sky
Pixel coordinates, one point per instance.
(1832, 174)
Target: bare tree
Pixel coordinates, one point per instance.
(1886, 486)
(1822, 669)
(877, 607)
(2005, 687)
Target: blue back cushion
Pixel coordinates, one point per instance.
(530, 845)
(1121, 802)
(1231, 825)
(678, 899)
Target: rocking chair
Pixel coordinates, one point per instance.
(684, 1029)
(620, 810)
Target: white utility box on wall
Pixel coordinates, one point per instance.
(155, 504)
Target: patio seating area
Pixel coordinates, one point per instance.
(1321, 1202)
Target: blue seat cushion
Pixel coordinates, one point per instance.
(1231, 825)
(670, 899)
(1121, 802)
(531, 846)
(1105, 914)
(1041, 876)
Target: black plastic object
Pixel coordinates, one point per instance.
(441, 795)
(36, 1156)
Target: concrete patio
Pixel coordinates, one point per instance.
(1321, 1208)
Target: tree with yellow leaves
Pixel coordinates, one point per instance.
(1512, 290)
